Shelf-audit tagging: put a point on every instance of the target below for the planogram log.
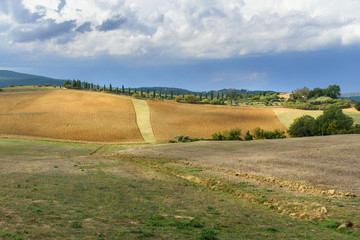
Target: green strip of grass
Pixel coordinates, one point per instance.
(143, 120)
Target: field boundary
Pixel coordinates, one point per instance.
(143, 121)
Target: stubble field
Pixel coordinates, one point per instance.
(70, 115)
(170, 119)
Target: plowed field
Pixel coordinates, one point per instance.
(170, 119)
(70, 115)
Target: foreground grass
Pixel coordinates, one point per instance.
(71, 191)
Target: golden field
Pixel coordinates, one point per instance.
(170, 119)
(69, 115)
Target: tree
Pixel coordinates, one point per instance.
(171, 95)
(117, 90)
(333, 120)
(104, 88)
(200, 97)
(303, 126)
(357, 105)
(141, 92)
(212, 96)
(110, 88)
(122, 89)
(154, 94)
(333, 91)
(301, 93)
(129, 91)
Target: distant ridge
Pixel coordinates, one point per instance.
(15, 78)
(352, 96)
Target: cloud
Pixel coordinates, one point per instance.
(111, 24)
(85, 27)
(21, 14)
(47, 30)
(214, 29)
(62, 4)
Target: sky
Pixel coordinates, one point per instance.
(198, 45)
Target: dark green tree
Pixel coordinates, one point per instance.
(110, 88)
(122, 89)
(171, 95)
(200, 97)
(117, 90)
(333, 120)
(303, 126)
(135, 91)
(141, 92)
(357, 105)
(212, 96)
(92, 86)
(104, 89)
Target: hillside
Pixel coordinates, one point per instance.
(94, 116)
(15, 78)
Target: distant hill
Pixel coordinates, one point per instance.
(352, 96)
(10, 77)
(185, 91)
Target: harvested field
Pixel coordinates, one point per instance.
(170, 119)
(70, 115)
(331, 161)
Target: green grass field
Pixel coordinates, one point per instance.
(53, 190)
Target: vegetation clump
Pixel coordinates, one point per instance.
(357, 105)
(182, 138)
(259, 133)
(332, 121)
(233, 134)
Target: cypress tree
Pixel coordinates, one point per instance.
(117, 90)
(154, 94)
(129, 91)
(147, 91)
(110, 88)
(206, 96)
(171, 95)
(177, 93)
(165, 95)
(141, 92)
(98, 87)
(122, 89)
(74, 83)
(222, 95)
(104, 89)
(160, 93)
(200, 97)
(218, 95)
(212, 96)
(183, 96)
(135, 90)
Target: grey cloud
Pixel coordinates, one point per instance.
(86, 27)
(47, 30)
(21, 14)
(111, 24)
(61, 5)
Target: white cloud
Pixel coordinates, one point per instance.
(182, 29)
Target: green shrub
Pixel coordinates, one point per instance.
(248, 136)
(191, 99)
(233, 134)
(11, 85)
(259, 133)
(357, 105)
(177, 99)
(182, 138)
(303, 126)
(205, 101)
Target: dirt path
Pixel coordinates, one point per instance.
(143, 120)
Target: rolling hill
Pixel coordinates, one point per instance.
(15, 78)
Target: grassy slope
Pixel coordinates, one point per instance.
(71, 191)
(143, 120)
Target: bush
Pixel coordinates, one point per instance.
(177, 99)
(357, 105)
(182, 138)
(206, 101)
(248, 136)
(233, 134)
(11, 85)
(1, 90)
(208, 234)
(259, 133)
(303, 126)
(191, 99)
